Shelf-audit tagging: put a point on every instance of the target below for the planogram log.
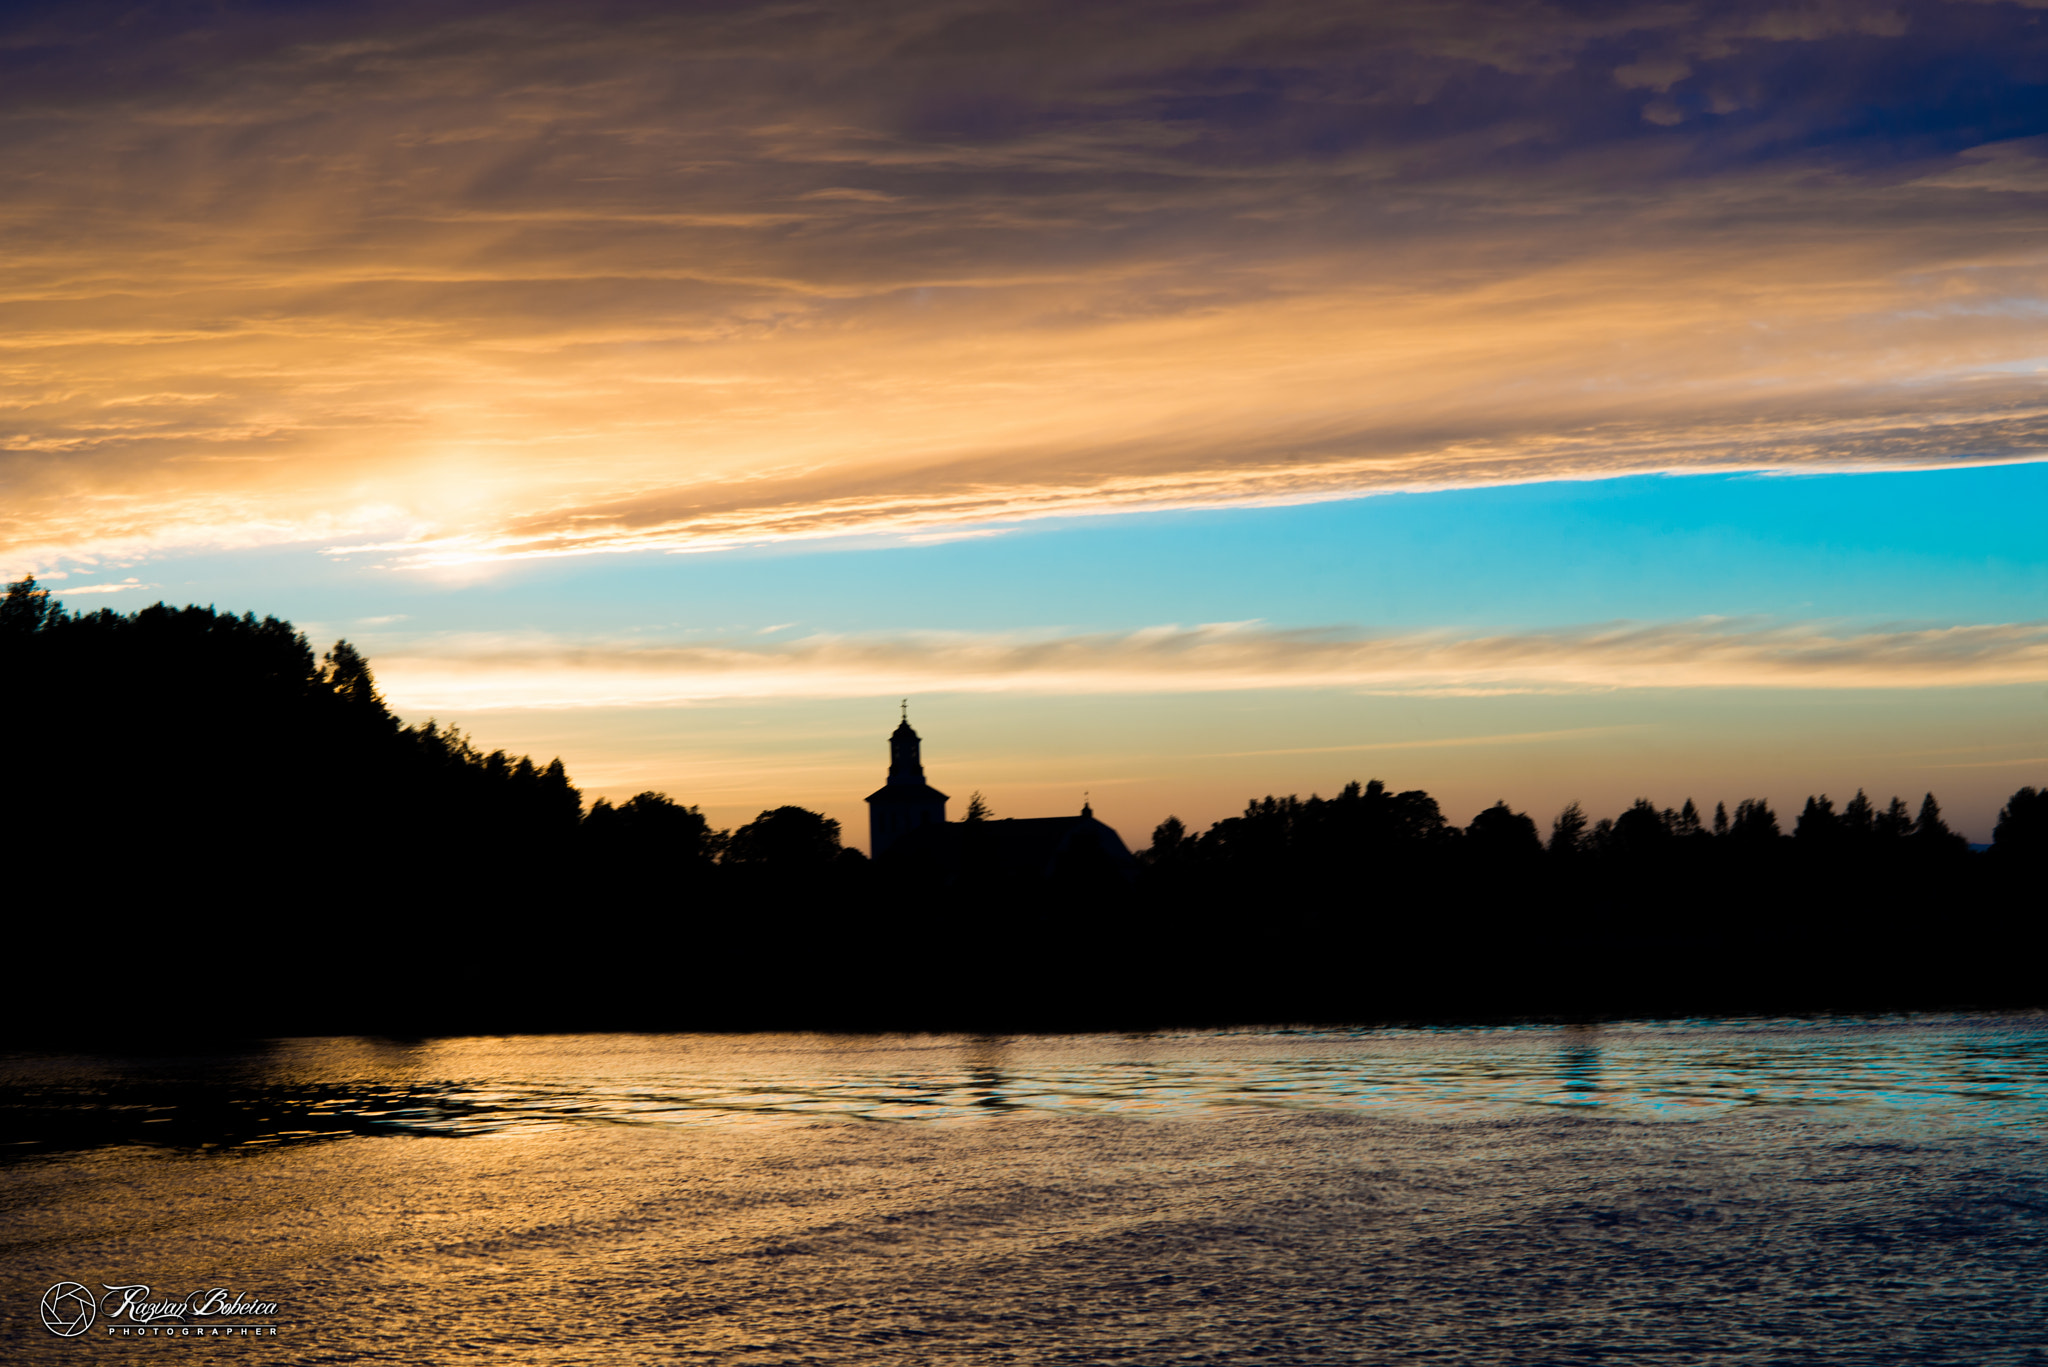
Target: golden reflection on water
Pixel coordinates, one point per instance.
(1295, 1196)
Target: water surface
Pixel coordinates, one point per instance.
(1761, 1191)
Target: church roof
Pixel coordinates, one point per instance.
(907, 792)
(1028, 846)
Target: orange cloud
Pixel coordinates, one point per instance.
(505, 282)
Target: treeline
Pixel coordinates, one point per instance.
(1368, 825)
(214, 828)
(190, 753)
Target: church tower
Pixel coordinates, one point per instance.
(906, 801)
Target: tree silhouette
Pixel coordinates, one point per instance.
(1688, 822)
(1169, 840)
(652, 826)
(1641, 831)
(1932, 834)
(27, 609)
(785, 839)
(1755, 823)
(1502, 834)
(1568, 831)
(1817, 826)
(2021, 835)
(1859, 818)
(348, 674)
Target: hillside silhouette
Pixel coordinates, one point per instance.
(217, 830)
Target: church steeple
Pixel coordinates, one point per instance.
(906, 754)
(906, 801)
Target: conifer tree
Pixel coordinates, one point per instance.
(2022, 830)
(1754, 820)
(1930, 826)
(347, 673)
(1817, 823)
(1859, 817)
(1894, 822)
(1688, 822)
(1568, 831)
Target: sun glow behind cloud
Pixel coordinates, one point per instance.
(458, 286)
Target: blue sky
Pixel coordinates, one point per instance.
(1940, 547)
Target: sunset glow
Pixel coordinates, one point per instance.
(586, 362)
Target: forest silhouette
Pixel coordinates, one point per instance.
(216, 830)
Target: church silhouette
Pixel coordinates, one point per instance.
(906, 802)
(907, 827)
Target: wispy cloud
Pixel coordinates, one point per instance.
(2030, 761)
(471, 673)
(1434, 743)
(470, 282)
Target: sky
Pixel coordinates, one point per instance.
(1177, 402)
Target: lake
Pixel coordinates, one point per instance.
(1760, 1191)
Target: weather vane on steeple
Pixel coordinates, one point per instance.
(906, 709)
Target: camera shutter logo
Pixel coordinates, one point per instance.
(68, 1310)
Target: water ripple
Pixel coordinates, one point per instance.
(1961, 1070)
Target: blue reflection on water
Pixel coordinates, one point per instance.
(1992, 1071)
